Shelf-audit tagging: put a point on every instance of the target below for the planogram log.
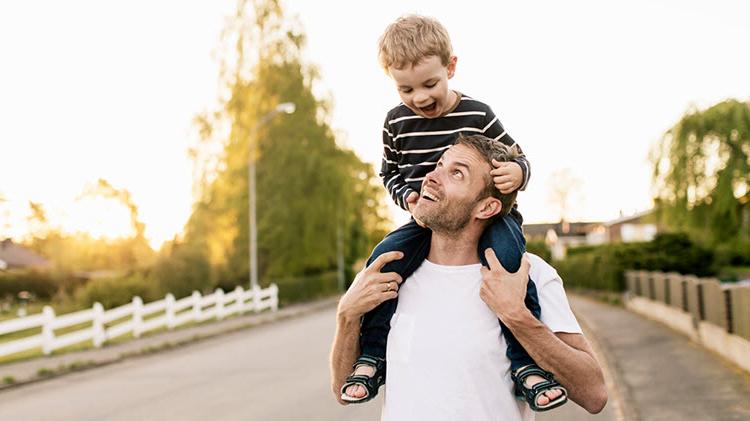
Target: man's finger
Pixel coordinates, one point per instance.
(383, 259)
(388, 277)
(492, 261)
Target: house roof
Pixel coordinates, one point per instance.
(17, 256)
(562, 229)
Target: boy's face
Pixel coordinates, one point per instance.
(424, 87)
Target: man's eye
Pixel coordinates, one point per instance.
(458, 173)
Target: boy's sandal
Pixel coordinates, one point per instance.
(531, 394)
(370, 383)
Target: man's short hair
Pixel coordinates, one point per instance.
(489, 150)
(412, 38)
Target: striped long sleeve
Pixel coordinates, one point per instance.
(412, 145)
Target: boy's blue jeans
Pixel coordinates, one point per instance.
(504, 236)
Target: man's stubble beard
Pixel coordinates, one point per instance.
(448, 218)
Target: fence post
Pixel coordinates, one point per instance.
(97, 325)
(137, 316)
(219, 293)
(274, 297)
(197, 311)
(239, 299)
(48, 335)
(256, 298)
(169, 310)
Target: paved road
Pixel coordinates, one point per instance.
(664, 376)
(274, 372)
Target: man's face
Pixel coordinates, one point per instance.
(424, 87)
(450, 193)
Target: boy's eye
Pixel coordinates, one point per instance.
(432, 85)
(406, 90)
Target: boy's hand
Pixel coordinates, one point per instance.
(507, 176)
(411, 201)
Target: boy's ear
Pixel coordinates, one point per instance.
(452, 66)
(489, 207)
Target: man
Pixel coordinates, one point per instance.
(445, 354)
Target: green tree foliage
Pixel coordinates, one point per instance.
(702, 174)
(603, 267)
(308, 186)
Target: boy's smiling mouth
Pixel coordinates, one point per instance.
(430, 109)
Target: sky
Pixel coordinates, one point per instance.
(105, 89)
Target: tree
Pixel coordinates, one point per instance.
(308, 187)
(702, 173)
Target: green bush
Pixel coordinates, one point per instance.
(184, 270)
(307, 288)
(603, 267)
(42, 284)
(540, 249)
(113, 292)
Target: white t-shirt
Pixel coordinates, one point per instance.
(446, 354)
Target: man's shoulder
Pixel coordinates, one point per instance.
(541, 271)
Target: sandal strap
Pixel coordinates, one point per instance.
(370, 383)
(531, 394)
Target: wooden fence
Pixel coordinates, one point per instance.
(100, 326)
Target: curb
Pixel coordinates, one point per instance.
(154, 345)
(623, 403)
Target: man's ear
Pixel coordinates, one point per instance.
(452, 66)
(489, 207)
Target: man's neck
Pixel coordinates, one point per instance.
(455, 249)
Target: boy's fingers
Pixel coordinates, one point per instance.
(383, 259)
(412, 197)
(492, 261)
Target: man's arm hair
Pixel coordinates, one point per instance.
(343, 353)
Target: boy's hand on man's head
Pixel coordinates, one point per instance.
(507, 176)
(411, 201)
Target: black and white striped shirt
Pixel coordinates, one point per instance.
(412, 145)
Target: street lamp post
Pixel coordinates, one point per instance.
(286, 108)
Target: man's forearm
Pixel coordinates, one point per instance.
(344, 352)
(568, 356)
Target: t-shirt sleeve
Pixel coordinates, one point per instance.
(556, 312)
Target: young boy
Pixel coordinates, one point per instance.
(416, 52)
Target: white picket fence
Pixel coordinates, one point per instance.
(102, 326)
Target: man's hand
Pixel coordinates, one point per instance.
(411, 201)
(370, 288)
(507, 176)
(504, 292)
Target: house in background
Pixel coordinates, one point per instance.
(15, 256)
(563, 235)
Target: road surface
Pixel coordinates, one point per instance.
(273, 372)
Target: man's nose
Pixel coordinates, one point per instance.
(431, 177)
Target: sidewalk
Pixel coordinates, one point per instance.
(29, 371)
(660, 374)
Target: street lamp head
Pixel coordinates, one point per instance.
(286, 107)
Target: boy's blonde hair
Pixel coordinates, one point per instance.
(411, 38)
